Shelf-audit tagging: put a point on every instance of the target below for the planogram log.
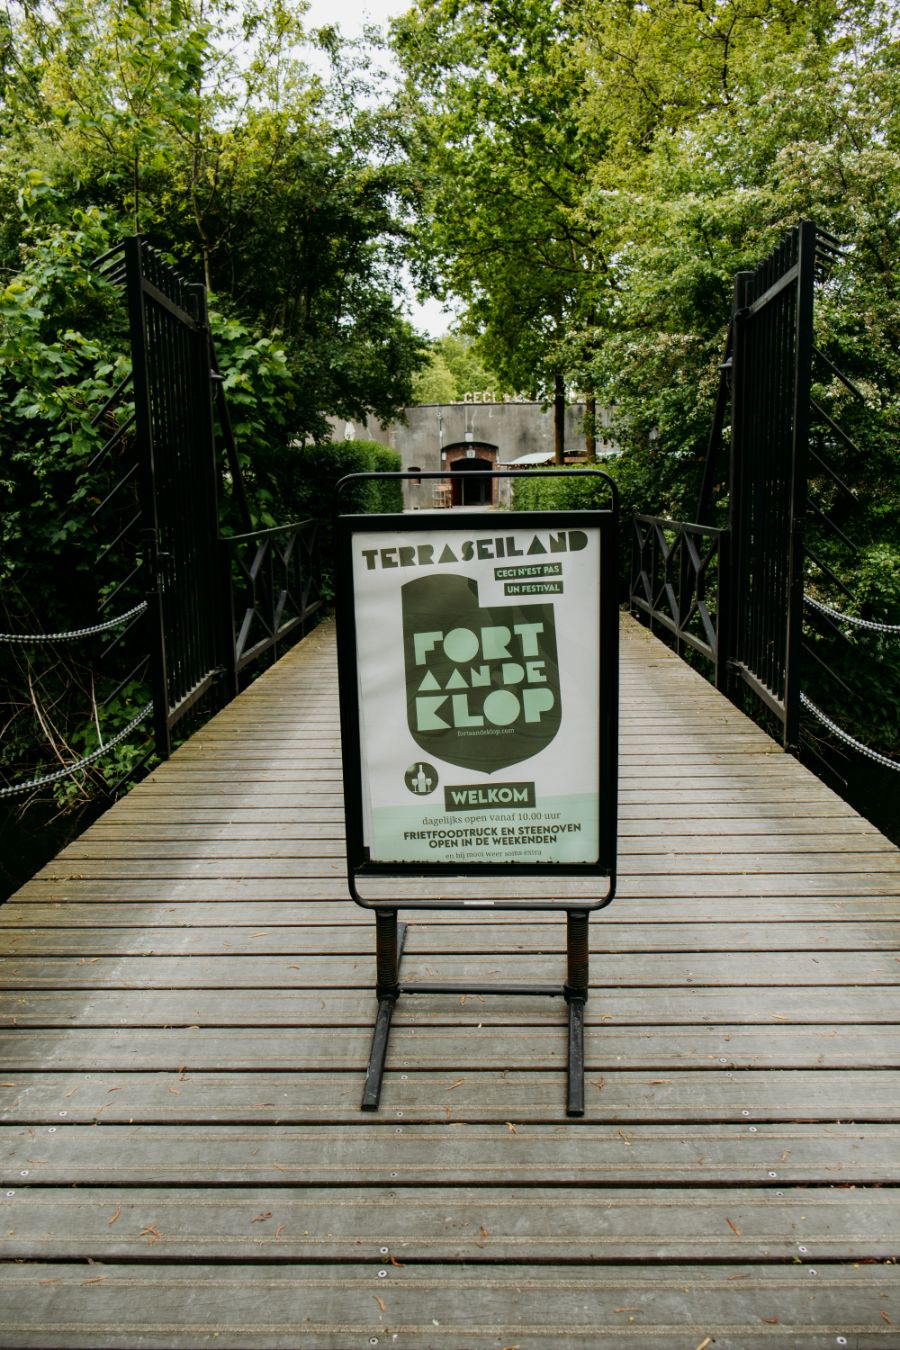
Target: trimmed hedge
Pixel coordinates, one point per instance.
(541, 492)
(315, 471)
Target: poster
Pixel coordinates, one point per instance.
(478, 671)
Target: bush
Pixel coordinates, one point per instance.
(542, 492)
(308, 487)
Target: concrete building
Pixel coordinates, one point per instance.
(472, 436)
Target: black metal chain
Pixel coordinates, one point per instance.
(869, 624)
(18, 788)
(847, 738)
(26, 639)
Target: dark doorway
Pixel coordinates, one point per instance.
(470, 488)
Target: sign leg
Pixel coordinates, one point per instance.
(375, 1070)
(575, 1097)
(576, 991)
(389, 937)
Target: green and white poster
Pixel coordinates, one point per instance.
(478, 668)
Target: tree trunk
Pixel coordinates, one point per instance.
(590, 425)
(559, 420)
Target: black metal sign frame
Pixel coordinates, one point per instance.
(361, 866)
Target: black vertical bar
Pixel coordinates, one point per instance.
(714, 445)
(229, 655)
(185, 496)
(760, 469)
(177, 355)
(723, 612)
(799, 458)
(768, 505)
(576, 992)
(575, 1085)
(387, 952)
(577, 954)
(166, 497)
(737, 572)
(137, 324)
(206, 461)
(388, 944)
(377, 1054)
(608, 694)
(685, 589)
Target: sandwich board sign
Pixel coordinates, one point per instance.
(478, 675)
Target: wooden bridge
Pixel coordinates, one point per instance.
(187, 1003)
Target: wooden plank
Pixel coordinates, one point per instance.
(293, 935)
(341, 972)
(728, 889)
(639, 812)
(445, 1307)
(212, 869)
(614, 1097)
(762, 1005)
(746, 981)
(633, 771)
(111, 827)
(484, 1223)
(868, 848)
(419, 1047)
(687, 797)
(774, 1156)
(867, 915)
(290, 866)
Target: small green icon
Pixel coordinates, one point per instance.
(421, 778)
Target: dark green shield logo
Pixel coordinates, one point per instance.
(482, 682)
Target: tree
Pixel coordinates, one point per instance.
(498, 162)
(552, 146)
(197, 124)
(454, 370)
(801, 121)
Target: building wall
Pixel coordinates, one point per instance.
(440, 436)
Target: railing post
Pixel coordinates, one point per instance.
(723, 613)
(150, 554)
(806, 264)
(653, 573)
(636, 562)
(736, 485)
(229, 652)
(682, 594)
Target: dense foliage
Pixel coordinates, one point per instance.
(582, 178)
(198, 125)
(595, 172)
(309, 479)
(454, 370)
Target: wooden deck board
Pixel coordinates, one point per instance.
(198, 931)
(414, 1045)
(533, 1223)
(435, 1306)
(186, 1006)
(454, 1154)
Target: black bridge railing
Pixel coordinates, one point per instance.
(678, 580)
(766, 377)
(272, 591)
(216, 605)
(739, 596)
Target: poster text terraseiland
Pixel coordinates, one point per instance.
(478, 655)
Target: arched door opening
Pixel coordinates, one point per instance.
(469, 487)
